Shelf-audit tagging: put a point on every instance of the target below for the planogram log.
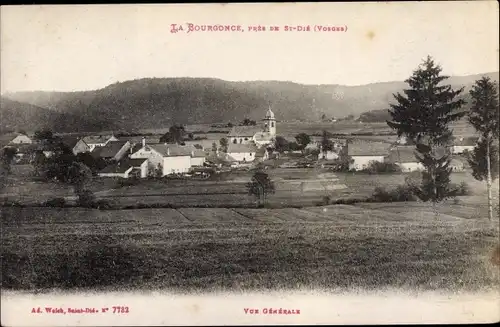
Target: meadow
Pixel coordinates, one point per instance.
(294, 187)
(189, 249)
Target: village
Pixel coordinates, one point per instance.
(143, 162)
(242, 147)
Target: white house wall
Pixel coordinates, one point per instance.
(410, 166)
(144, 169)
(197, 161)
(362, 162)
(154, 158)
(457, 149)
(243, 156)
(177, 164)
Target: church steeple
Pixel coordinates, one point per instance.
(270, 122)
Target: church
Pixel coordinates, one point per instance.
(246, 143)
(258, 135)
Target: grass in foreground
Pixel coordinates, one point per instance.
(248, 257)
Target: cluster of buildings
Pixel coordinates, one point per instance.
(246, 145)
(363, 153)
(127, 158)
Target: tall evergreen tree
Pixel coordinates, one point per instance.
(326, 143)
(260, 186)
(423, 114)
(484, 116)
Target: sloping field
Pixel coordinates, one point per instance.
(328, 247)
(465, 210)
(214, 215)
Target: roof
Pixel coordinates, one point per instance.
(269, 114)
(136, 147)
(110, 149)
(402, 154)
(242, 131)
(198, 153)
(92, 139)
(122, 166)
(263, 136)
(70, 141)
(241, 148)
(171, 150)
(465, 141)
(406, 154)
(368, 148)
(261, 152)
(138, 139)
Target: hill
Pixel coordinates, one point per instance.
(160, 102)
(16, 115)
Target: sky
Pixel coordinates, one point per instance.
(85, 47)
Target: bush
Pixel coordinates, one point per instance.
(402, 193)
(123, 182)
(326, 199)
(56, 202)
(10, 203)
(85, 199)
(376, 167)
(102, 204)
(463, 189)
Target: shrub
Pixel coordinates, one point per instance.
(85, 199)
(102, 204)
(10, 203)
(56, 202)
(376, 167)
(326, 199)
(463, 189)
(123, 182)
(402, 193)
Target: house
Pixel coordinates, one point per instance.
(197, 157)
(363, 153)
(457, 165)
(98, 141)
(113, 150)
(75, 144)
(463, 144)
(21, 139)
(242, 152)
(262, 154)
(404, 157)
(126, 168)
(327, 154)
(169, 158)
(12, 139)
(258, 135)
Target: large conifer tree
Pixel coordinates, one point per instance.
(423, 114)
(484, 116)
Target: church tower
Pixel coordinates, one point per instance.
(270, 122)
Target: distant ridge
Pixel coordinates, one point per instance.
(160, 102)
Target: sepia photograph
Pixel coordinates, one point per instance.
(271, 163)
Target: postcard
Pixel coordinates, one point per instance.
(249, 164)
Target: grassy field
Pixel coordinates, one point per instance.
(294, 187)
(333, 247)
